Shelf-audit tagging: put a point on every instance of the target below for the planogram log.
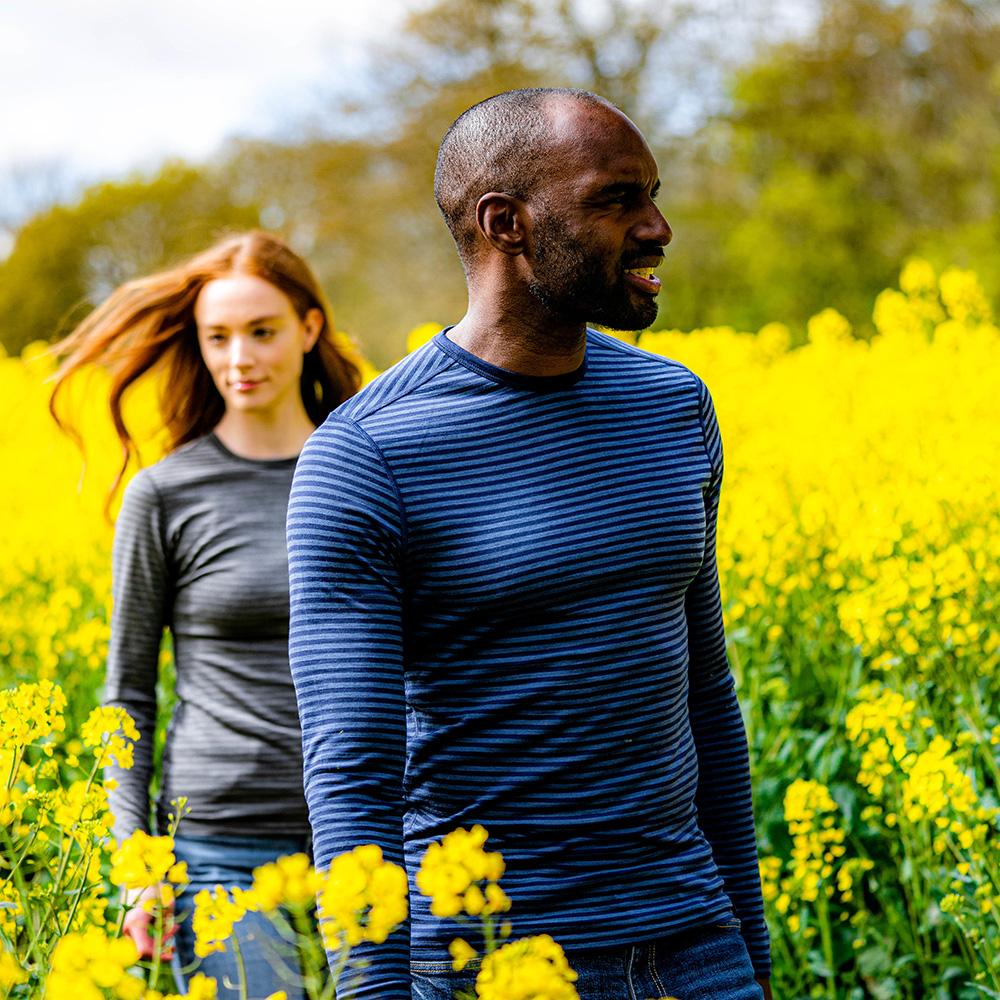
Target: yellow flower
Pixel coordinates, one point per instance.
(202, 987)
(29, 713)
(460, 877)
(937, 784)
(362, 898)
(461, 953)
(142, 861)
(11, 972)
(528, 969)
(817, 842)
(289, 881)
(88, 965)
(110, 730)
(216, 914)
(82, 807)
(964, 297)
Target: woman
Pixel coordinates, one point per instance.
(242, 336)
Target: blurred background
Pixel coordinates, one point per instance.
(831, 169)
(806, 147)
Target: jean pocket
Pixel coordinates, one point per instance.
(733, 924)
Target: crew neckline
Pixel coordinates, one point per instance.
(519, 380)
(267, 463)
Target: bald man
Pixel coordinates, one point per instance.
(505, 601)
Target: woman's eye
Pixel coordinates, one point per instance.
(215, 338)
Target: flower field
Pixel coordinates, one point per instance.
(860, 561)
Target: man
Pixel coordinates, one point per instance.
(505, 602)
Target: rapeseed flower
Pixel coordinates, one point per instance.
(29, 713)
(216, 914)
(363, 898)
(532, 968)
(143, 861)
(110, 730)
(11, 972)
(460, 877)
(91, 966)
(289, 881)
(936, 784)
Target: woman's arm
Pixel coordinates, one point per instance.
(140, 588)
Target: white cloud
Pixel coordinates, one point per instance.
(106, 85)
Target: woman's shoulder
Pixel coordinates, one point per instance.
(176, 470)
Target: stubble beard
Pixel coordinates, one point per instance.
(575, 284)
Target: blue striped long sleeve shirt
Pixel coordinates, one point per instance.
(505, 610)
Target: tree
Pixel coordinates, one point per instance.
(876, 137)
(68, 258)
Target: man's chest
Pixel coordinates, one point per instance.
(553, 526)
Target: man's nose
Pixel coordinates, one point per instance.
(655, 227)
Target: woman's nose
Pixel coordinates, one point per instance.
(239, 352)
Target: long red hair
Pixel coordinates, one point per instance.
(149, 322)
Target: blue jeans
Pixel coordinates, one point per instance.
(271, 962)
(710, 963)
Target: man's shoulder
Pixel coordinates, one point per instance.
(628, 359)
(395, 384)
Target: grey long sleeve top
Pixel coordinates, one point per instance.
(200, 550)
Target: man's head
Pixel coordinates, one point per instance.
(556, 187)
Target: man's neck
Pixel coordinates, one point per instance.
(517, 340)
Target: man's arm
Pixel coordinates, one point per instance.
(345, 546)
(725, 808)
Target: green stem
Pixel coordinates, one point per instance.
(240, 966)
(489, 936)
(84, 864)
(338, 971)
(308, 950)
(29, 913)
(792, 963)
(15, 762)
(827, 937)
(154, 977)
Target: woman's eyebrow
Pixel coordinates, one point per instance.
(252, 322)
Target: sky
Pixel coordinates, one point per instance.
(95, 88)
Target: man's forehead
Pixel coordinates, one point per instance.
(596, 142)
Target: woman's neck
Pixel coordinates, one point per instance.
(259, 435)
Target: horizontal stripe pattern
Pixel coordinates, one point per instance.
(505, 610)
(200, 549)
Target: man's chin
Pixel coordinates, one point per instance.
(630, 319)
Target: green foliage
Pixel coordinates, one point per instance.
(876, 137)
(872, 135)
(67, 258)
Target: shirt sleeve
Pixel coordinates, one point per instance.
(140, 587)
(346, 530)
(725, 807)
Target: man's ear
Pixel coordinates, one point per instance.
(501, 219)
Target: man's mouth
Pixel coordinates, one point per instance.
(643, 279)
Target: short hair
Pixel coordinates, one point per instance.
(496, 145)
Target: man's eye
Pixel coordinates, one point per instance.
(263, 332)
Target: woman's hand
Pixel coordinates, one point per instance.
(140, 921)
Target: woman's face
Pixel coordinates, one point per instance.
(253, 341)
